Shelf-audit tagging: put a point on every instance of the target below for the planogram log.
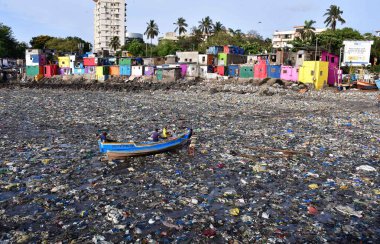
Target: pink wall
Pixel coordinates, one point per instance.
(183, 69)
(289, 73)
(333, 66)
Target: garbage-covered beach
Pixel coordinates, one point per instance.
(271, 165)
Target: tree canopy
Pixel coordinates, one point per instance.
(68, 44)
(9, 46)
(334, 14)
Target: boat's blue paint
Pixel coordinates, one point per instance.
(378, 84)
(144, 146)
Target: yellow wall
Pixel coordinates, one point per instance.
(307, 76)
(99, 71)
(64, 62)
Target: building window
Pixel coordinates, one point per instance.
(320, 73)
(203, 59)
(312, 72)
(332, 59)
(190, 60)
(299, 55)
(284, 71)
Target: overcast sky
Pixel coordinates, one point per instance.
(29, 18)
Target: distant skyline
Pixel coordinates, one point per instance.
(62, 18)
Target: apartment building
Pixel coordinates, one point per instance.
(281, 39)
(110, 17)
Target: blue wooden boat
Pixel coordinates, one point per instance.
(378, 84)
(122, 150)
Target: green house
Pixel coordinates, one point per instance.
(159, 74)
(32, 71)
(125, 61)
(222, 59)
(246, 72)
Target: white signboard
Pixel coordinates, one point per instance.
(356, 53)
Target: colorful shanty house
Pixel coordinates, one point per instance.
(149, 70)
(89, 61)
(233, 70)
(289, 73)
(274, 71)
(225, 59)
(125, 61)
(246, 71)
(314, 72)
(183, 69)
(114, 70)
(50, 70)
(222, 70)
(65, 71)
(102, 73)
(79, 71)
(125, 70)
(333, 67)
(64, 62)
(90, 70)
(260, 70)
(32, 71)
(214, 50)
(137, 70)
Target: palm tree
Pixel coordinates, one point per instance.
(333, 15)
(115, 43)
(205, 25)
(307, 32)
(181, 24)
(151, 32)
(218, 27)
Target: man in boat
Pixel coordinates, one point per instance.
(155, 135)
(103, 137)
(165, 133)
(174, 133)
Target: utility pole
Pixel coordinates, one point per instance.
(339, 71)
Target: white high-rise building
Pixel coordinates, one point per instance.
(110, 17)
(282, 38)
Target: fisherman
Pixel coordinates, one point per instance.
(174, 134)
(103, 137)
(164, 133)
(155, 135)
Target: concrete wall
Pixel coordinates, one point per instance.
(188, 57)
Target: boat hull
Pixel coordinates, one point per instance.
(378, 84)
(365, 85)
(119, 150)
(120, 155)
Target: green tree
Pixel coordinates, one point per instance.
(135, 47)
(333, 40)
(115, 43)
(307, 33)
(151, 32)
(166, 47)
(8, 44)
(218, 27)
(333, 14)
(205, 25)
(181, 26)
(62, 45)
(40, 41)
